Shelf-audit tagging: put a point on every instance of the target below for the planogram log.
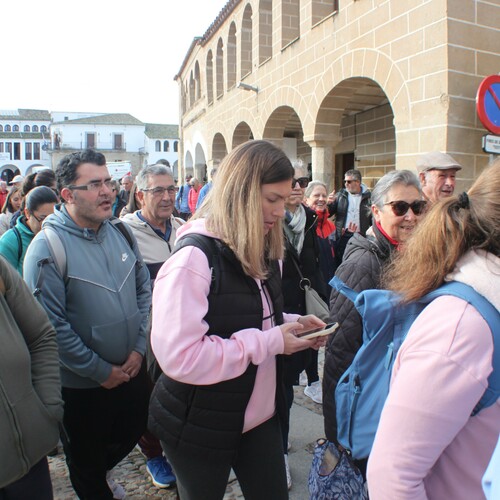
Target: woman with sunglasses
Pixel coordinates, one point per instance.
(429, 444)
(38, 204)
(301, 263)
(397, 207)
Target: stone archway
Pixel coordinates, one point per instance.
(241, 134)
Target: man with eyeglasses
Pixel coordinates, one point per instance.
(351, 207)
(155, 229)
(98, 303)
(437, 173)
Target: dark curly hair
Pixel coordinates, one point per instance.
(45, 177)
(66, 172)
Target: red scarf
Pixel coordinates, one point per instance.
(325, 226)
(392, 241)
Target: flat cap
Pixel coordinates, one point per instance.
(436, 161)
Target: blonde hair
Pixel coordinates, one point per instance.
(233, 207)
(454, 226)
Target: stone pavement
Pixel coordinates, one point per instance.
(306, 427)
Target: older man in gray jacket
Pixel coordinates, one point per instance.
(98, 300)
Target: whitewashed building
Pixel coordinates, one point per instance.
(162, 143)
(24, 141)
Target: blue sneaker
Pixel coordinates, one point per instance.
(160, 471)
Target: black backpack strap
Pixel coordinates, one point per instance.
(19, 243)
(123, 228)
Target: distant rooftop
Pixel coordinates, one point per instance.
(107, 119)
(25, 114)
(159, 131)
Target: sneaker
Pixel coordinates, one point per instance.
(160, 471)
(303, 379)
(288, 475)
(117, 489)
(314, 392)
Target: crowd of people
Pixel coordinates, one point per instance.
(170, 318)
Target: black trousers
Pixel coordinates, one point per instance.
(102, 427)
(35, 484)
(258, 464)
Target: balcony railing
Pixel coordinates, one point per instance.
(100, 146)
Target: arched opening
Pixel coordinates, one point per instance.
(242, 133)
(265, 30)
(191, 89)
(166, 146)
(290, 21)
(158, 146)
(197, 81)
(231, 56)
(220, 68)
(321, 9)
(27, 128)
(219, 148)
(210, 77)
(246, 42)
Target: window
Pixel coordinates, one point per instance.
(246, 42)
(7, 128)
(231, 56)
(166, 146)
(43, 128)
(197, 81)
(36, 151)
(90, 140)
(118, 141)
(15, 128)
(265, 30)
(176, 146)
(290, 21)
(17, 151)
(8, 146)
(210, 77)
(28, 151)
(219, 68)
(1, 128)
(27, 129)
(1, 147)
(34, 128)
(158, 146)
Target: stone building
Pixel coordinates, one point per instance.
(341, 83)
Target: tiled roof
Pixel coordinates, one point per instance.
(160, 131)
(109, 119)
(25, 114)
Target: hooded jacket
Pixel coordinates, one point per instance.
(100, 307)
(30, 388)
(9, 244)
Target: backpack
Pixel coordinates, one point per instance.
(363, 388)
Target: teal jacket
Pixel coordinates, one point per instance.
(9, 244)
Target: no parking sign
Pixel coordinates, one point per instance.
(488, 103)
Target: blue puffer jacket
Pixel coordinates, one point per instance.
(100, 308)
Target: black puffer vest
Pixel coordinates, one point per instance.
(209, 419)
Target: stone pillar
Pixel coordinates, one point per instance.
(323, 162)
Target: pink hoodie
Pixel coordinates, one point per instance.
(427, 444)
(186, 354)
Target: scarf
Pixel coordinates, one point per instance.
(295, 227)
(325, 226)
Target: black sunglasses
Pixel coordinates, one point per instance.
(401, 208)
(303, 182)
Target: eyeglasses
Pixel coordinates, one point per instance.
(401, 208)
(160, 191)
(303, 182)
(349, 181)
(93, 186)
(39, 219)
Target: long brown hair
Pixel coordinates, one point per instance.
(454, 226)
(233, 207)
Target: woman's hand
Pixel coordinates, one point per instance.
(292, 343)
(311, 322)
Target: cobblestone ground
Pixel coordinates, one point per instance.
(132, 475)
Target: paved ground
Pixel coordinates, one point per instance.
(306, 427)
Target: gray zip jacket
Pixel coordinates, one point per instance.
(100, 308)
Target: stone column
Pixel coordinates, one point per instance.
(323, 162)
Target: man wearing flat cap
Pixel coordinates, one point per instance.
(437, 173)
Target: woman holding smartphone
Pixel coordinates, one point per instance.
(219, 330)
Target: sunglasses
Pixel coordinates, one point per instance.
(350, 181)
(401, 208)
(303, 182)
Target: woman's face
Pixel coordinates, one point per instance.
(273, 202)
(397, 227)
(35, 218)
(15, 201)
(297, 193)
(317, 198)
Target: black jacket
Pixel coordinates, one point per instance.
(360, 270)
(339, 209)
(293, 294)
(209, 419)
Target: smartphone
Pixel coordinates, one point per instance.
(318, 332)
